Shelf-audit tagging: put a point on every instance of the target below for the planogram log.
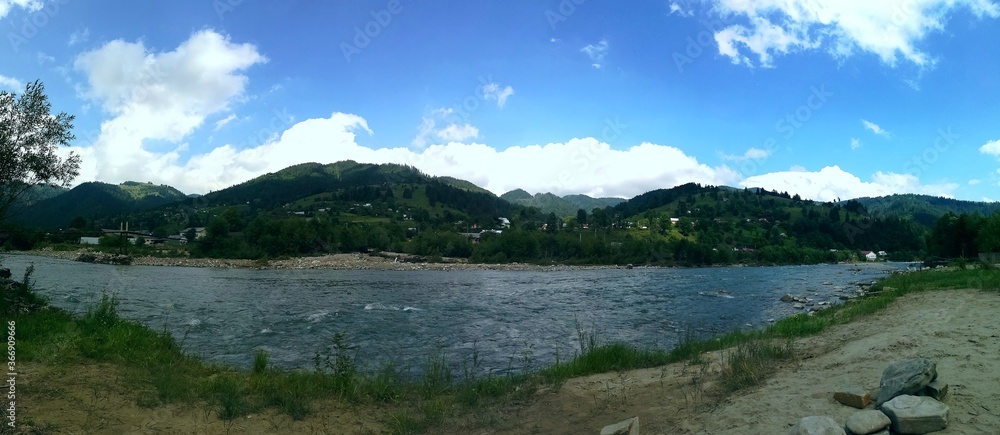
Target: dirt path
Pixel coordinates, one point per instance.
(958, 329)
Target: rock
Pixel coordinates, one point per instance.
(4, 273)
(906, 376)
(817, 425)
(787, 298)
(867, 422)
(853, 396)
(935, 389)
(626, 427)
(798, 306)
(916, 414)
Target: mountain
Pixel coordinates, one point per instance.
(95, 200)
(924, 209)
(343, 185)
(561, 206)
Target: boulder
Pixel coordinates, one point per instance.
(867, 422)
(853, 396)
(906, 376)
(4, 273)
(787, 298)
(817, 425)
(935, 389)
(798, 306)
(625, 427)
(916, 414)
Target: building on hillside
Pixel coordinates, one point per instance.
(869, 255)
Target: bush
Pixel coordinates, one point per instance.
(20, 297)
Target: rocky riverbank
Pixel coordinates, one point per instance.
(356, 261)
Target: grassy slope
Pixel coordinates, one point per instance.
(155, 364)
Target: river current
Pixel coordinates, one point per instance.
(510, 317)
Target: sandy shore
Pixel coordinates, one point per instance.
(956, 328)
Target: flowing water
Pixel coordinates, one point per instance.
(509, 317)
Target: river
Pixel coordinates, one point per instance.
(224, 315)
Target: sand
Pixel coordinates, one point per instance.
(959, 329)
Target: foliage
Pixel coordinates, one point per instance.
(29, 137)
(20, 297)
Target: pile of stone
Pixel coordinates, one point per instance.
(908, 401)
(117, 259)
(800, 302)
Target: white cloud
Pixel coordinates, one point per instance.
(875, 128)
(855, 143)
(453, 132)
(458, 133)
(222, 122)
(750, 154)
(679, 10)
(44, 58)
(797, 168)
(992, 148)
(494, 91)
(11, 83)
(7, 5)
(158, 96)
(890, 30)
(596, 52)
(832, 182)
(79, 37)
(975, 181)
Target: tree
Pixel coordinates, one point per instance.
(581, 216)
(29, 136)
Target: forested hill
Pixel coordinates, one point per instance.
(925, 209)
(563, 206)
(344, 185)
(95, 200)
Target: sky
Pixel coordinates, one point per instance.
(828, 99)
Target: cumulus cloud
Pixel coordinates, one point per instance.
(890, 30)
(158, 96)
(992, 148)
(596, 52)
(750, 154)
(7, 5)
(458, 133)
(495, 92)
(11, 83)
(831, 183)
(855, 143)
(875, 128)
(453, 132)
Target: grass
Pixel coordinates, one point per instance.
(162, 373)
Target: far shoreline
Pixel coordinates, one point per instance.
(386, 261)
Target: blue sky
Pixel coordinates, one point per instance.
(828, 99)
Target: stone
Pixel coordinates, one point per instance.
(787, 298)
(798, 306)
(625, 427)
(935, 389)
(867, 422)
(916, 414)
(906, 376)
(853, 396)
(817, 425)
(4, 273)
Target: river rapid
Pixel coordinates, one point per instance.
(511, 318)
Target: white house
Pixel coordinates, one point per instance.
(869, 255)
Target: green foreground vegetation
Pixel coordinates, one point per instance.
(160, 372)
